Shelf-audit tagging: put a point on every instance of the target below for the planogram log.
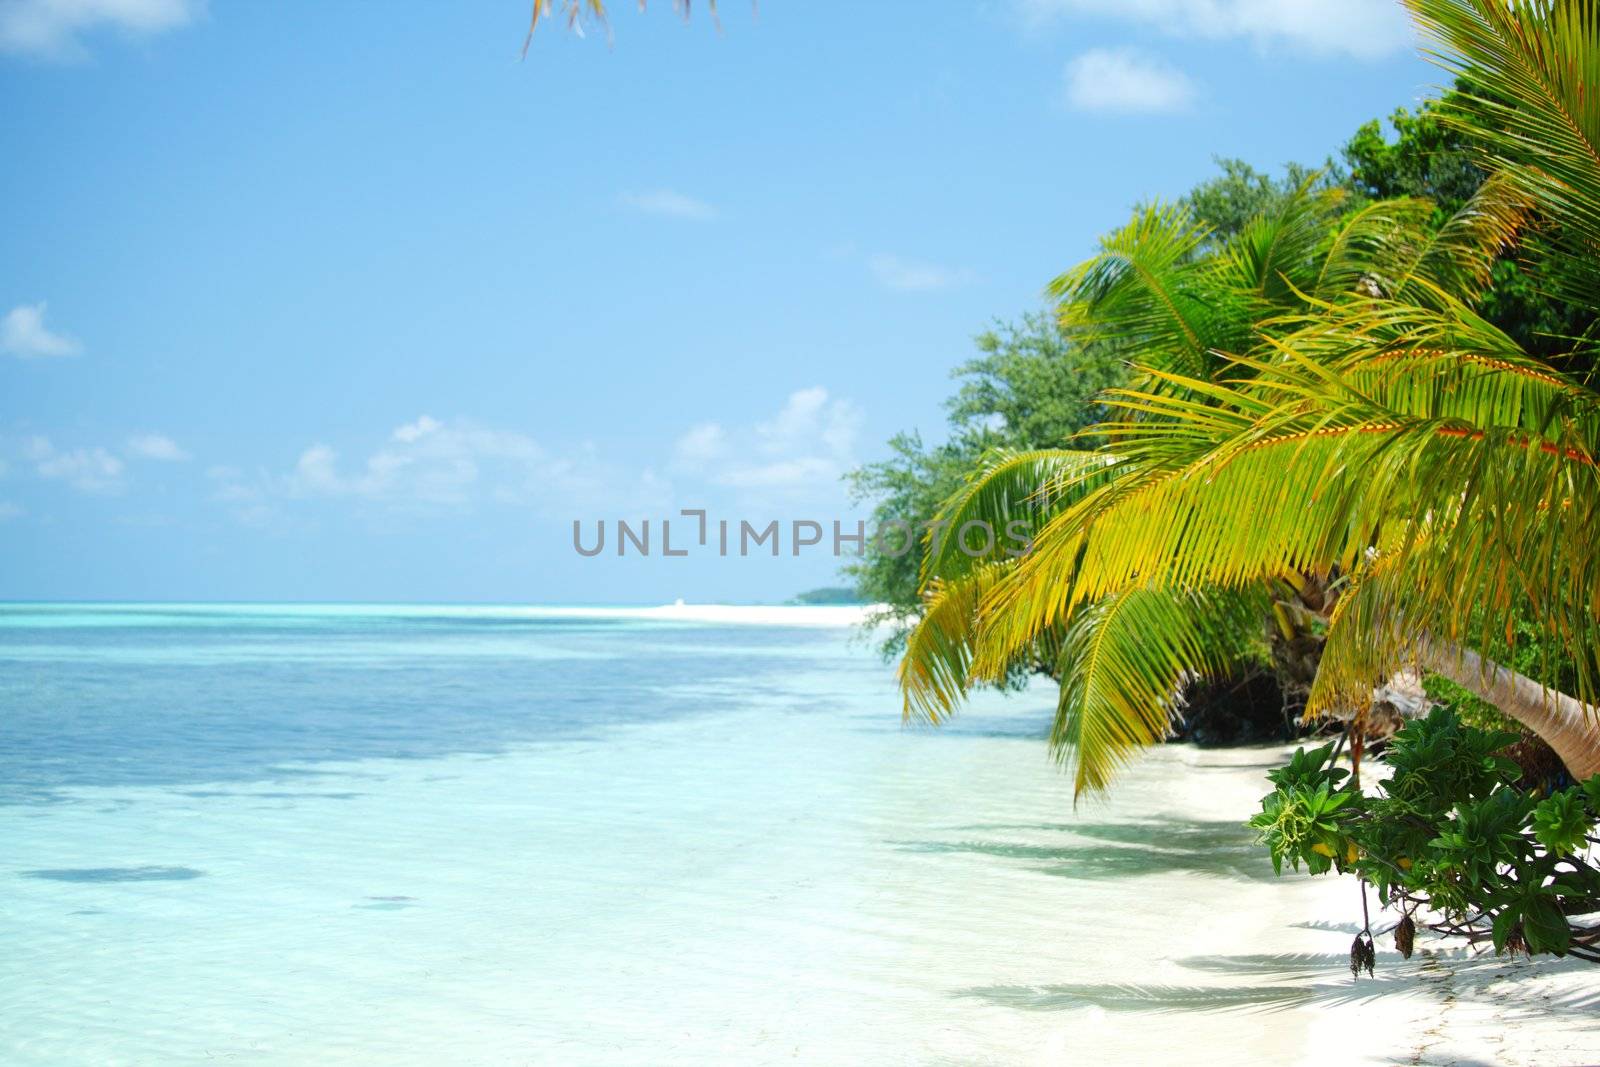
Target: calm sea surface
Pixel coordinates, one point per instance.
(420, 835)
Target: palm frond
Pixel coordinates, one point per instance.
(1458, 257)
(1124, 663)
(1530, 71)
(1366, 240)
(1144, 289)
(1312, 485)
(576, 11)
(1443, 362)
(1012, 494)
(936, 667)
(1277, 254)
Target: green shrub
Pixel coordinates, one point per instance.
(1448, 832)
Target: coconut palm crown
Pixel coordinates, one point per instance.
(1316, 405)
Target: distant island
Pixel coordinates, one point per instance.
(831, 594)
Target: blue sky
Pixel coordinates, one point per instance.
(340, 301)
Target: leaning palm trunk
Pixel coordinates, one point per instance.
(1567, 725)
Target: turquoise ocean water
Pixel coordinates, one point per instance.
(421, 835)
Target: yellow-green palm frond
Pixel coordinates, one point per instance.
(1146, 287)
(936, 667)
(1411, 593)
(1444, 362)
(1457, 258)
(995, 514)
(1365, 242)
(1124, 663)
(1530, 69)
(1278, 253)
(576, 11)
(1314, 483)
(1389, 249)
(1366, 637)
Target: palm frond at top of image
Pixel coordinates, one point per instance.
(1528, 71)
(576, 12)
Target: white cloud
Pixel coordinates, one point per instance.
(669, 203)
(807, 445)
(1363, 29)
(93, 470)
(701, 445)
(54, 29)
(416, 431)
(23, 332)
(156, 446)
(8, 510)
(436, 466)
(430, 463)
(1126, 81)
(910, 275)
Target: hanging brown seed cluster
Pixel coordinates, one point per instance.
(1516, 943)
(1362, 954)
(1405, 935)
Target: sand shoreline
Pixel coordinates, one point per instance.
(1445, 1005)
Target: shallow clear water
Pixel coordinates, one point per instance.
(479, 836)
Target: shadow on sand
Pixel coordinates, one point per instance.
(1307, 979)
(1121, 850)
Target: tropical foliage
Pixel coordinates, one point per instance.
(1450, 837)
(1028, 387)
(1163, 287)
(1320, 404)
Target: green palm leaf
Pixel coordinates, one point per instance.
(1277, 254)
(1014, 492)
(1124, 662)
(935, 669)
(1530, 71)
(1144, 289)
(1315, 484)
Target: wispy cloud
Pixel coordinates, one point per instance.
(911, 275)
(24, 334)
(54, 29)
(91, 470)
(156, 446)
(1124, 81)
(670, 204)
(806, 446)
(427, 466)
(424, 462)
(1363, 29)
(8, 510)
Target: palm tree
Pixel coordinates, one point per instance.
(1164, 288)
(1381, 440)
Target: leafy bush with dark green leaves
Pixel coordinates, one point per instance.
(1450, 832)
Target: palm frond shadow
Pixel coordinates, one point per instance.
(1351, 928)
(1222, 848)
(1438, 977)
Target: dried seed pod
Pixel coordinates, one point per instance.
(1362, 955)
(1516, 943)
(1405, 935)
